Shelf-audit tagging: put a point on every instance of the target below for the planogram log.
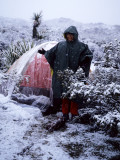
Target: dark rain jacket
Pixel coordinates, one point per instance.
(68, 54)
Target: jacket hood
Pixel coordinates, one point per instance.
(72, 30)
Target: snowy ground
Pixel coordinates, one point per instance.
(23, 136)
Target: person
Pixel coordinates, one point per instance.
(71, 54)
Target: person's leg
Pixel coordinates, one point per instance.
(65, 108)
(74, 109)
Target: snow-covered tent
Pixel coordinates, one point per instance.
(35, 70)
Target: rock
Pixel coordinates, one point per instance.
(21, 98)
(44, 104)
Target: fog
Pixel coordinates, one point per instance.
(85, 11)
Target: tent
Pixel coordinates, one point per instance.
(35, 71)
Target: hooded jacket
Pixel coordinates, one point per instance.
(68, 54)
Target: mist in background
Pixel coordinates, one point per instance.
(84, 11)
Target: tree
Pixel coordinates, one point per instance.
(36, 23)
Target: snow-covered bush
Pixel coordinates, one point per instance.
(110, 122)
(72, 81)
(98, 90)
(14, 30)
(10, 55)
(112, 54)
(9, 83)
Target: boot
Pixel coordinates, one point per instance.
(66, 117)
(59, 123)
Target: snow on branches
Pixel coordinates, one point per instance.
(70, 81)
(112, 54)
(93, 91)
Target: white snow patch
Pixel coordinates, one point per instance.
(14, 122)
(4, 99)
(108, 118)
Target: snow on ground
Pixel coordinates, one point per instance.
(14, 121)
(23, 136)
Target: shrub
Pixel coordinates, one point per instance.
(10, 55)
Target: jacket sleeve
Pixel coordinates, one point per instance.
(50, 55)
(85, 60)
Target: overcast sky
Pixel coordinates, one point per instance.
(85, 11)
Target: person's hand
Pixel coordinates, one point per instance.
(41, 51)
